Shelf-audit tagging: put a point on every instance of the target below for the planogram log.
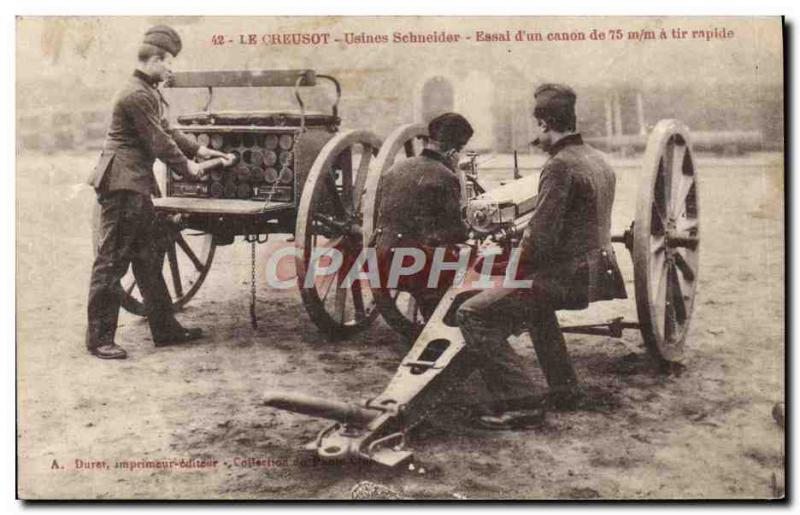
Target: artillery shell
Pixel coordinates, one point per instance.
(248, 140)
(270, 174)
(257, 157)
(217, 141)
(286, 141)
(287, 175)
(242, 171)
(247, 156)
(234, 140)
(191, 137)
(243, 191)
(216, 174)
(229, 190)
(270, 158)
(202, 140)
(271, 142)
(285, 158)
(216, 190)
(254, 174)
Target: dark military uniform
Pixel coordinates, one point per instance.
(124, 181)
(420, 208)
(566, 252)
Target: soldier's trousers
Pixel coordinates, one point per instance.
(489, 318)
(128, 236)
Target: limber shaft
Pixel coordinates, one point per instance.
(322, 408)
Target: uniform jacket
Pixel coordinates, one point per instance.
(421, 208)
(138, 135)
(567, 243)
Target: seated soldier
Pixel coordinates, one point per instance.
(565, 252)
(421, 208)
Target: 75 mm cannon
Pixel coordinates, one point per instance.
(663, 241)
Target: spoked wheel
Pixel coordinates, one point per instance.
(398, 308)
(330, 217)
(666, 242)
(187, 258)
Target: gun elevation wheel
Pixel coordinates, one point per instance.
(329, 217)
(666, 241)
(398, 308)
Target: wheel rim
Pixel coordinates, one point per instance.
(666, 241)
(330, 216)
(398, 309)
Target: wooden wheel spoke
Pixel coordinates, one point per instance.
(358, 300)
(657, 244)
(198, 265)
(346, 166)
(660, 301)
(658, 222)
(326, 286)
(658, 262)
(681, 194)
(669, 306)
(172, 257)
(676, 299)
(129, 289)
(678, 155)
(684, 267)
(361, 178)
(686, 226)
(336, 200)
(340, 301)
(411, 308)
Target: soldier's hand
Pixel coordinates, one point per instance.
(194, 169)
(208, 153)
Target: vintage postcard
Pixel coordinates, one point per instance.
(400, 258)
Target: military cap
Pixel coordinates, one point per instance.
(554, 97)
(450, 127)
(165, 38)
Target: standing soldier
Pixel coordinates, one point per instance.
(566, 253)
(123, 178)
(421, 206)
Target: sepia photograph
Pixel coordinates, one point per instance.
(400, 258)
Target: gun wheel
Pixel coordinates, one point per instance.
(398, 308)
(329, 217)
(666, 242)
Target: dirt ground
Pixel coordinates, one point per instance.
(708, 433)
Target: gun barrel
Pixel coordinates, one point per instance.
(323, 408)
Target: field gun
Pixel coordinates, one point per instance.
(663, 241)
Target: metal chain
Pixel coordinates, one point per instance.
(253, 320)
